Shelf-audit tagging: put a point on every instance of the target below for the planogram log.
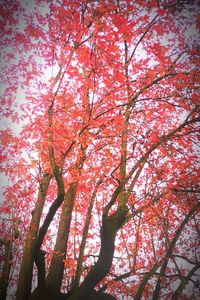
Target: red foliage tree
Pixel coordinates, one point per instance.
(103, 166)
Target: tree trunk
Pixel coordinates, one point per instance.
(6, 268)
(84, 238)
(25, 275)
(39, 254)
(110, 226)
(54, 278)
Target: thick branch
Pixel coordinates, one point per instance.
(54, 278)
(185, 281)
(144, 281)
(170, 250)
(39, 256)
(110, 226)
(84, 238)
(26, 270)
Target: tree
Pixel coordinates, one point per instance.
(103, 171)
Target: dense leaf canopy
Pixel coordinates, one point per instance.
(100, 128)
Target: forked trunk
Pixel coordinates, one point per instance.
(110, 226)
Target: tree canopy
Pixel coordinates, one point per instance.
(100, 145)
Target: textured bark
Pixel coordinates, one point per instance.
(54, 278)
(26, 270)
(4, 280)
